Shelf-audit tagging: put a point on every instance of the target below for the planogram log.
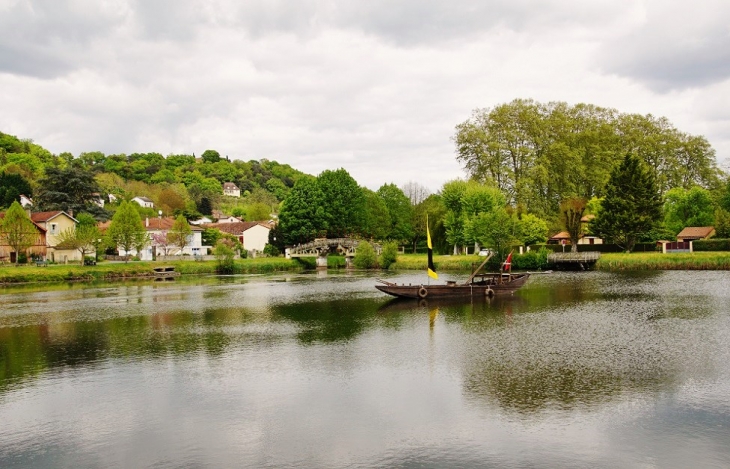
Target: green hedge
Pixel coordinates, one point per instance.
(711, 245)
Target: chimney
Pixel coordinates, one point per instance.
(147, 222)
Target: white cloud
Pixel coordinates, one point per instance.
(373, 87)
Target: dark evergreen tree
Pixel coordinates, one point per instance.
(632, 206)
(12, 186)
(71, 189)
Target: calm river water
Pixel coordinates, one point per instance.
(315, 370)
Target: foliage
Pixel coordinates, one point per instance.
(389, 255)
(531, 260)
(376, 220)
(532, 229)
(271, 250)
(17, 230)
(365, 256)
(496, 229)
(180, 233)
(715, 244)
(72, 189)
(12, 186)
(539, 154)
(302, 216)
(343, 203)
(632, 205)
(571, 212)
(683, 208)
(210, 236)
(210, 156)
(400, 212)
(126, 229)
(224, 253)
(722, 223)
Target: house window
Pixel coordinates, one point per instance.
(54, 228)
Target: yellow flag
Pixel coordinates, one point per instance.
(431, 269)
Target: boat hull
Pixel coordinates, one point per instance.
(488, 288)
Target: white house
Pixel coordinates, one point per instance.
(144, 202)
(157, 228)
(231, 189)
(253, 235)
(26, 201)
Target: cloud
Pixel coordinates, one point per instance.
(675, 46)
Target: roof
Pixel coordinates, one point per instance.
(229, 185)
(561, 235)
(235, 228)
(39, 227)
(42, 217)
(587, 218)
(164, 223)
(143, 199)
(696, 232)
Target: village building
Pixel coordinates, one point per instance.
(144, 202)
(230, 189)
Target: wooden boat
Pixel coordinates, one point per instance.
(477, 285)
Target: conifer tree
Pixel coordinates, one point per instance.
(632, 204)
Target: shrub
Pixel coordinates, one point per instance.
(223, 253)
(271, 250)
(389, 254)
(365, 257)
(531, 260)
(711, 245)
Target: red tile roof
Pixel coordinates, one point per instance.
(696, 232)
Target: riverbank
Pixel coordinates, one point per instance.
(11, 275)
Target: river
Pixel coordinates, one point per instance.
(320, 370)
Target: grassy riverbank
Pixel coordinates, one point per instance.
(607, 262)
(10, 274)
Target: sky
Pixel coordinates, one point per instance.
(375, 87)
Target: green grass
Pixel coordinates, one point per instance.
(442, 263)
(10, 274)
(659, 261)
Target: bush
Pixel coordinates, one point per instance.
(531, 260)
(711, 245)
(223, 253)
(271, 250)
(365, 257)
(389, 255)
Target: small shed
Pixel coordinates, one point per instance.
(693, 233)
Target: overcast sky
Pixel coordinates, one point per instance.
(375, 87)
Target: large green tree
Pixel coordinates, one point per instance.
(72, 189)
(632, 206)
(376, 224)
(571, 213)
(84, 237)
(302, 216)
(126, 229)
(683, 208)
(343, 203)
(17, 230)
(400, 212)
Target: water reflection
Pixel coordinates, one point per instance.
(292, 360)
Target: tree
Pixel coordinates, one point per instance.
(179, 234)
(12, 186)
(571, 212)
(83, 237)
(496, 229)
(72, 189)
(302, 215)
(722, 223)
(683, 208)
(631, 206)
(400, 212)
(532, 229)
(17, 230)
(126, 229)
(376, 224)
(365, 256)
(210, 156)
(343, 203)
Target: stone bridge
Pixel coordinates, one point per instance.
(320, 247)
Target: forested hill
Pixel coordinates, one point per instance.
(176, 183)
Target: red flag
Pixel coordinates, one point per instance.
(508, 262)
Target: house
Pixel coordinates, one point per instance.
(55, 223)
(253, 235)
(229, 219)
(201, 221)
(38, 249)
(157, 229)
(144, 202)
(231, 189)
(564, 238)
(26, 201)
(693, 233)
(97, 199)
